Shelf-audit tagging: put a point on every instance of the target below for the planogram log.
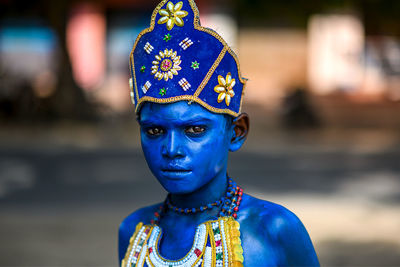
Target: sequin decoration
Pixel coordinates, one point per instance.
(167, 37)
(172, 15)
(166, 65)
(195, 65)
(133, 98)
(131, 83)
(132, 94)
(184, 84)
(225, 88)
(148, 48)
(163, 92)
(146, 87)
(142, 69)
(186, 43)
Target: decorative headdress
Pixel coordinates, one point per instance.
(177, 59)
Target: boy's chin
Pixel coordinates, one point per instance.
(179, 187)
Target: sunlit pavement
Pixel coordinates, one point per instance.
(61, 200)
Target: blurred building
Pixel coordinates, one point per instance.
(281, 46)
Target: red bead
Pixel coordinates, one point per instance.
(156, 214)
(240, 193)
(236, 209)
(218, 243)
(150, 249)
(234, 215)
(197, 252)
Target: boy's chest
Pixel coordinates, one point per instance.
(176, 241)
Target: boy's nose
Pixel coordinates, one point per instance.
(172, 146)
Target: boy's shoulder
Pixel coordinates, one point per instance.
(274, 226)
(277, 218)
(128, 225)
(144, 215)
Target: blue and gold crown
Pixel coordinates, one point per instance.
(177, 59)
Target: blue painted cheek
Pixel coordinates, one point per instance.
(152, 151)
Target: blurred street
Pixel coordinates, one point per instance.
(62, 199)
(323, 95)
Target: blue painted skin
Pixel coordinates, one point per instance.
(186, 147)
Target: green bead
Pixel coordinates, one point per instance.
(167, 37)
(218, 256)
(163, 92)
(195, 65)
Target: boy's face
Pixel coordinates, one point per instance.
(185, 146)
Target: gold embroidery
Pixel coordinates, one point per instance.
(236, 243)
(184, 97)
(210, 72)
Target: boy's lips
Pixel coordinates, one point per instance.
(176, 172)
(175, 168)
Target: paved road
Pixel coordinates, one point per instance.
(61, 206)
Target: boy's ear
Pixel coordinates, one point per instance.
(241, 127)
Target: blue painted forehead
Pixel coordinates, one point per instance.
(177, 59)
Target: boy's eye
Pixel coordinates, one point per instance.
(155, 131)
(195, 129)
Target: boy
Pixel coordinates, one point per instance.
(187, 90)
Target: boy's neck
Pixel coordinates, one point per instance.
(209, 193)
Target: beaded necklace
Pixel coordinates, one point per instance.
(216, 243)
(231, 202)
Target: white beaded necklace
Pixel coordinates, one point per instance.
(189, 260)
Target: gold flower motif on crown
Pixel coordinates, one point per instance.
(225, 88)
(172, 15)
(166, 65)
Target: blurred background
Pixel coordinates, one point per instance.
(323, 95)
